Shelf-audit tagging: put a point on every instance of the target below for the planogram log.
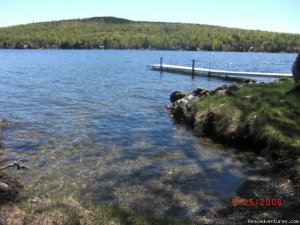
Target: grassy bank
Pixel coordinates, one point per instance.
(262, 116)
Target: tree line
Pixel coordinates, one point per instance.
(115, 33)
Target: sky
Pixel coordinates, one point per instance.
(269, 15)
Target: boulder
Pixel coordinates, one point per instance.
(224, 86)
(9, 188)
(246, 81)
(176, 95)
(296, 70)
(182, 109)
(229, 92)
(193, 101)
(179, 112)
(4, 187)
(216, 90)
(189, 97)
(284, 79)
(221, 92)
(169, 107)
(201, 92)
(235, 87)
(247, 97)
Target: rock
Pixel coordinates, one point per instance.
(4, 187)
(169, 106)
(176, 95)
(178, 113)
(260, 82)
(248, 97)
(296, 70)
(246, 81)
(198, 91)
(193, 101)
(284, 78)
(183, 101)
(235, 87)
(224, 86)
(216, 90)
(189, 97)
(2, 120)
(221, 92)
(182, 109)
(179, 110)
(9, 188)
(229, 92)
(201, 92)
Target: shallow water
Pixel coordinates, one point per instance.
(93, 124)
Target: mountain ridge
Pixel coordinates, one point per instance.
(119, 33)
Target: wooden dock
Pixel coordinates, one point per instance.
(214, 73)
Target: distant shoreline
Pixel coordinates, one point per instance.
(118, 33)
(114, 49)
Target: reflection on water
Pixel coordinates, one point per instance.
(93, 124)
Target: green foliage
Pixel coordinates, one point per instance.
(116, 33)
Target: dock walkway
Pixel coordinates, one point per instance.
(213, 72)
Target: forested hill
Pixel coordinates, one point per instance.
(111, 32)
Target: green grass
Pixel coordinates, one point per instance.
(269, 111)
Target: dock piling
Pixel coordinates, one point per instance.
(193, 68)
(209, 73)
(161, 62)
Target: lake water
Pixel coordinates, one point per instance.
(93, 124)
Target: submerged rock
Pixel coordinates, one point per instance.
(2, 120)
